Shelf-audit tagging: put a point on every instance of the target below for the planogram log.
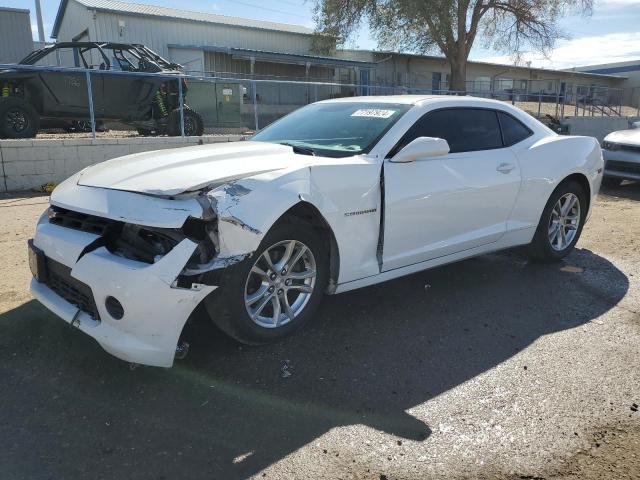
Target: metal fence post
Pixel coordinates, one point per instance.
(539, 101)
(92, 117)
(181, 99)
(254, 94)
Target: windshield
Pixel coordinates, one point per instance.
(338, 129)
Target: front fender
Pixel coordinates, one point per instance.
(346, 194)
(246, 209)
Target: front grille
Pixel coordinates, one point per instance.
(629, 148)
(80, 221)
(618, 166)
(75, 292)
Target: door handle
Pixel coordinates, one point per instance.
(505, 167)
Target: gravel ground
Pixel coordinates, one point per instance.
(489, 368)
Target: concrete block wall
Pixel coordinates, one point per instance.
(598, 127)
(27, 164)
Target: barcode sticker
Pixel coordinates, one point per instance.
(373, 113)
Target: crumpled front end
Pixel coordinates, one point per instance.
(129, 268)
(80, 283)
(111, 263)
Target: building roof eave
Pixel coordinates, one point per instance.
(279, 56)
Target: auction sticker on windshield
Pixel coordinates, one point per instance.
(373, 113)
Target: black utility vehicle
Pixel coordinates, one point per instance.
(31, 98)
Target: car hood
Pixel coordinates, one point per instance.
(626, 137)
(179, 170)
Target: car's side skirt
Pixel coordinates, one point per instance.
(509, 240)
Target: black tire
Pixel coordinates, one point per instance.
(145, 132)
(18, 118)
(226, 305)
(193, 124)
(611, 182)
(540, 248)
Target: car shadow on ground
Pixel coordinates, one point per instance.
(69, 410)
(628, 189)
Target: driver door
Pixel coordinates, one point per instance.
(442, 205)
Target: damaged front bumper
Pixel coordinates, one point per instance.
(154, 308)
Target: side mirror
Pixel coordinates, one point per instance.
(421, 147)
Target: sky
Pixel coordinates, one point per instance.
(611, 34)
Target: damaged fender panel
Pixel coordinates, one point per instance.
(247, 209)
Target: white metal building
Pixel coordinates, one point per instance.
(15, 34)
(236, 47)
(630, 70)
(201, 42)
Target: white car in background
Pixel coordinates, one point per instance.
(338, 195)
(621, 151)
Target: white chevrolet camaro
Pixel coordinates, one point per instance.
(338, 195)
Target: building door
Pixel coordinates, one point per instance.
(436, 78)
(364, 82)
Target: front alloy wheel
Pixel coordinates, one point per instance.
(277, 289)
(280, 284)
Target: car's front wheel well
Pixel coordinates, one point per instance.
(308, 213)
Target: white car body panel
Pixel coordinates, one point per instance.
(246, 187)
(438, 206)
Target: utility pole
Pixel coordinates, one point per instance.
(40, 24)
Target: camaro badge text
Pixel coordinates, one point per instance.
(360, 212)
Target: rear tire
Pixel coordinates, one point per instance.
(145, 132)
(235, 306)
(193, 125)
(18, 118)
(561, 223)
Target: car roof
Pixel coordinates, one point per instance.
(404, 99)
(418, 100)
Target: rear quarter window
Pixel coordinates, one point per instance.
(513, 131)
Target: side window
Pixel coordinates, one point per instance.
(513, 131)
(465, 129)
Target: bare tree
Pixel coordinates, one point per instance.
(449, 26)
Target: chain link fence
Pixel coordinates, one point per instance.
(249, 104)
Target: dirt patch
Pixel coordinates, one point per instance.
(614, 454)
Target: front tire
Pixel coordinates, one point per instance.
(275, 291)
(561, 223)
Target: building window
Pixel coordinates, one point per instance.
(482, 84)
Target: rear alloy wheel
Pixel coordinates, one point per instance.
(18, 119)
(275, 291)
(560, 224)
(564, 222)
